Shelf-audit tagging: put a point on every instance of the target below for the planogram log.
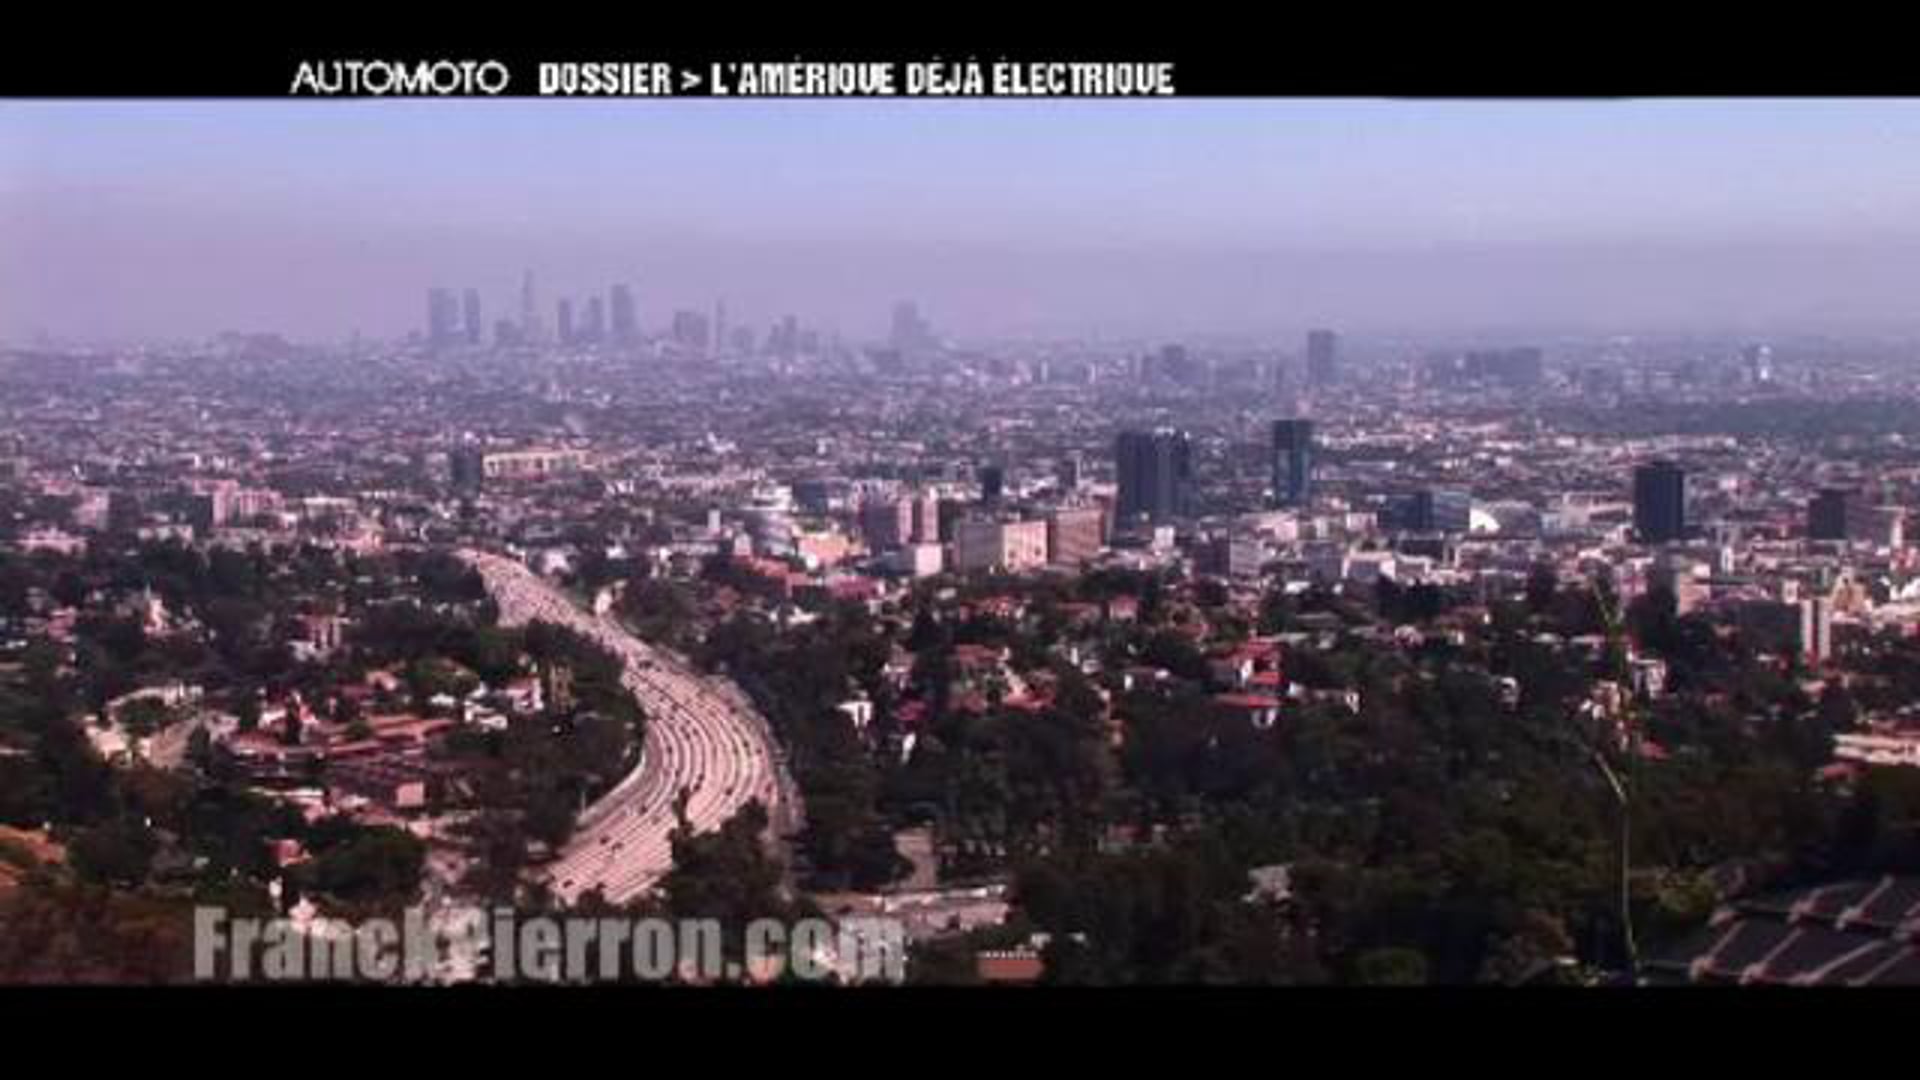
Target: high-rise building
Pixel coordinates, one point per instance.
(626, 326)
(920, 560)
(595, 330)
(720, 341)
(1816, 629)
(909, 332)
(1839, 514)
(1440, 510)
(466, 468)
(993, 483)
(786, 338)
(985, 544)
(1069, 474)
(1172, 364)
(1292, 462)
(1155, 471)
(199, 509)
(887, 522)
(1887, 527)
(926, 518)
(251, 504)
(443, 317)
(1231, 554)
(530, 332)
(1659, 502)
(690, 330)
(1075, 534)
(564, 311)
(1323, 362)
(813, 496)
(1517, 368)
(1678, 575)
(470, 316)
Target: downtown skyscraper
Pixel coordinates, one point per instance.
(690, 331)
(1323, 360)
(1659, 502)
(443, 318)
(1292, 462)
(470, 316)
(626, 325)
(593, 328)
(1839, 514)
(1155, 471)
(530, 329)
(909, 331)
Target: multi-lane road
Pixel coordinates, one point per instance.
(703, 738)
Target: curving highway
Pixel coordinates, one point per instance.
(702, 737)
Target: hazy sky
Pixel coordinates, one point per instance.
(1161, 217)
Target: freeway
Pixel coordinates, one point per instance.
(703, 739)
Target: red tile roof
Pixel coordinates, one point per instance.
(1247, 701)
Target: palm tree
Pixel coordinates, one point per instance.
(1620, 785)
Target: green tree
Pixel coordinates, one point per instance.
(1393, 966)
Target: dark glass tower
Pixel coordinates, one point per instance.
(993, 482)
(1838, 514)
(1292, 462)
(1440, 510)
(1155, 471)
(1659, 502)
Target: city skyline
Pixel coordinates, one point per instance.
(179, 220)
(802, 624)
